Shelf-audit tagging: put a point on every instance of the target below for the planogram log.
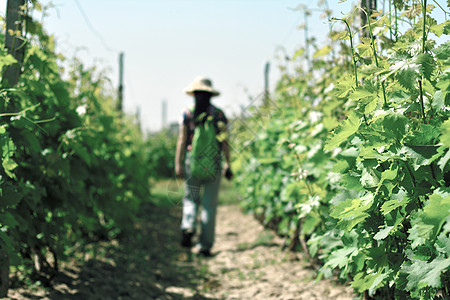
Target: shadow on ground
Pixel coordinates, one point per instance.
(147, 264)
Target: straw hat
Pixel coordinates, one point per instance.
(201, 84)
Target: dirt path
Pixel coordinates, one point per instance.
(249, 264)
(149, 264)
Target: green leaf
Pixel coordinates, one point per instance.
(344, 85)
(298, 53)
(445, 130)
(343, 131)
(310, 222)
(340, 166)
(352, 211)
(443, 51)
(444, 160)
(365, 46)
(443, 244)
(426, 135)
(360, 93)
(395, 125)
(383, 233)
(323, 51)
(444, 81)
(9, 165)
(10, 197)
(438, 101)
(426, 63)
(340, 258)
(371, 105)
(408, 78)
(438, 29)
(7, 60)
(6, 241)
(9, 220)
(421, 155)
(423, 274)
(428, 222)
(400, 199)
(363, 282)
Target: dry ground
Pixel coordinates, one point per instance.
(149, 264)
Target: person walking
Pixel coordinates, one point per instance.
(188, 142)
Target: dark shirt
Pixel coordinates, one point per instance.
(220, 122)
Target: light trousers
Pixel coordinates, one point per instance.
(192, 201)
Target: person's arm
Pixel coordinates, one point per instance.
(181, 151)
(226, 152)
(227, 168)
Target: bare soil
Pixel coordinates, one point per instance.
(247, 263)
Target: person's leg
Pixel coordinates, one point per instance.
(208, 216)
(191, 201)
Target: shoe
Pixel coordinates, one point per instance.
(204, 253)
(186, 238)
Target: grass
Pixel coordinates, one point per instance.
(264, 239)
(228, 193)
(169, 192)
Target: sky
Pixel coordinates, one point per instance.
(167, 43)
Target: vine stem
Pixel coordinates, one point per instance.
(390, 20)
(424, 12)
(445, 12)
(413, 178)
(355, 69)
(308, 186)
(375, 55)
(20, 112)
(422, 106)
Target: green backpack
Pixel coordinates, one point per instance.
(205, 153)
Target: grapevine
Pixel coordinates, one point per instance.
(372, 139)
(74, 169)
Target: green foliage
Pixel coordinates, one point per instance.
(360, 168)
(161, 153)
(73, 169)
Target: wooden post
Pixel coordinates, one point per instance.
(266, 83)
(306, 40)
(14, 42)
(164, 114)
(138, 117)
(15, 45)
(120, 90)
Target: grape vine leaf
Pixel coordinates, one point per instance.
(394, 125)
(352, 211)
(426, 64)
(363, 282)
(10, 196)
(383, 233)
(445, 130)
(422, 274)
(428, 222)
(340, 258)
(444, 82)
(443, 243)
(426, 135)
(343, 131)
(443, 51)
(323, 51)
(444, 160)
(398, 199)
(7, 60)
(9, 165)
(438, 101)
